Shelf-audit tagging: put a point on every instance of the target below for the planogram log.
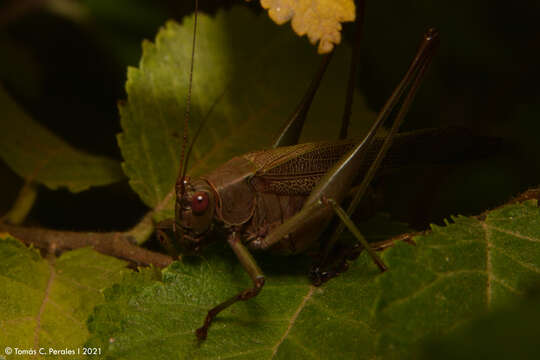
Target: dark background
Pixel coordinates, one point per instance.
(65, 63)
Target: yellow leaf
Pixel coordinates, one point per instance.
(319, 19)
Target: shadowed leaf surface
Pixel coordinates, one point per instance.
(249, 78)
(46, 304)
(36, 154)
(508, 333)
(453, 274)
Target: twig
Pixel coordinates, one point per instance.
(115, 244)
(121, 244)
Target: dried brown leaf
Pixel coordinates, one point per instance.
(320, 20)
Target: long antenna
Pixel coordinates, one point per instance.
(183, 163)
(201, 126)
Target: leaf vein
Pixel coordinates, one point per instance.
(504, 284)
(305, 349)
(508, 232)
(293, 320)
(340, 317)
(46, 295)
(230, 356)
(514, 259)
(488, 265)
(440, 277)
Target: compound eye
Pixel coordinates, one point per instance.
(199, 202)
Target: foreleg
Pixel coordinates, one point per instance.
(251, 267)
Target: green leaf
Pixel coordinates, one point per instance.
(36, 154)
(46, 303)
(508, 333)
(119, 31)
(453, 274)
(243, 66)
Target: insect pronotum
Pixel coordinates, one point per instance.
(281, 199)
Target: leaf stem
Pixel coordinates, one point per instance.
(142, 230)
(22, 205)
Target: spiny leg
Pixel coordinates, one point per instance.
(355, 60)
(291, 130)
(251, 267)
(413, 76)
(342, 254)
(336, 183)
(317, 274)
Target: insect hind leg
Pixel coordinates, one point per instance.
(412, 80)
(291, 130)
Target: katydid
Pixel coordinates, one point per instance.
(282, 199)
